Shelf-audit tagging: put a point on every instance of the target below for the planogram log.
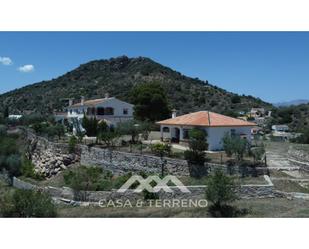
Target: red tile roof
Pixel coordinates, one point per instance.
(205, 118)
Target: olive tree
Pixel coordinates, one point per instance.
(196, 156)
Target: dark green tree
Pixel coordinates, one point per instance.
(150, 102)
(220, 192)
(161, 150)
(196, 156)
(90, 125)
(6, 112)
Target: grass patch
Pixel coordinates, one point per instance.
(289, 186)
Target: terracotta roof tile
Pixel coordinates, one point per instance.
(205, 118)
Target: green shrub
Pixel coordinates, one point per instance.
(3, 132)
(72, 144)
(220, 191)
(27, 170)
(160, 149)
(150, 195)
(85, 178)
(13, 165)
(28, 203)
(8, 146)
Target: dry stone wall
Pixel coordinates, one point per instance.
(120, 162)
(49, 158)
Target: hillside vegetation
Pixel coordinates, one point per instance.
(118, 76)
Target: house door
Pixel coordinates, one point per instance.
(176, 136)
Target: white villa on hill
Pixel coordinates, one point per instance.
(216, 126)
(109, 109)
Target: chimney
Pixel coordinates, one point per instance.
(82, 101)
(106, 95)
(70, 102)
(174, 113)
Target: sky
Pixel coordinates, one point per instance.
(273, 66)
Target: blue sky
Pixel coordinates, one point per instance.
(271, 65)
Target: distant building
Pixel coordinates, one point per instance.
(14, 116)
(257, 112)
(216, 126)
(280, 128)
(260, 121)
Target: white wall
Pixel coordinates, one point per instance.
(215, 135)
(118, 106)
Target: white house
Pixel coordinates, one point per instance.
(109, 109)
(216, 126)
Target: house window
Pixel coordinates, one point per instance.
(125, 111)
(185, 134)
(100, 111)
(233, 132)
(109, 111)
(166, 129)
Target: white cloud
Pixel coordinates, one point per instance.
(6, 61)
(26, 69)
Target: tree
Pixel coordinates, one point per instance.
(59, 130)
(129, 128)
(161, 150)
(28, 203)
(236, 99)
(257, 153)
(72, 144)
(235, 145)
(150, 102)
(90, 125)
(102, 127)
(220, 191)
(13, 165)
(6, 112)
(196, 156)
(109, 138)
(3, 130)
(303, 138)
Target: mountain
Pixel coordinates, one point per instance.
(293, 102)
(117, 76)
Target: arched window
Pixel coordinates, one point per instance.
(166, 129)
(109, 111)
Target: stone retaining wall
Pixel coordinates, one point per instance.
(196, 192)
(49, 158)
(299, 156)
(120, 162)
